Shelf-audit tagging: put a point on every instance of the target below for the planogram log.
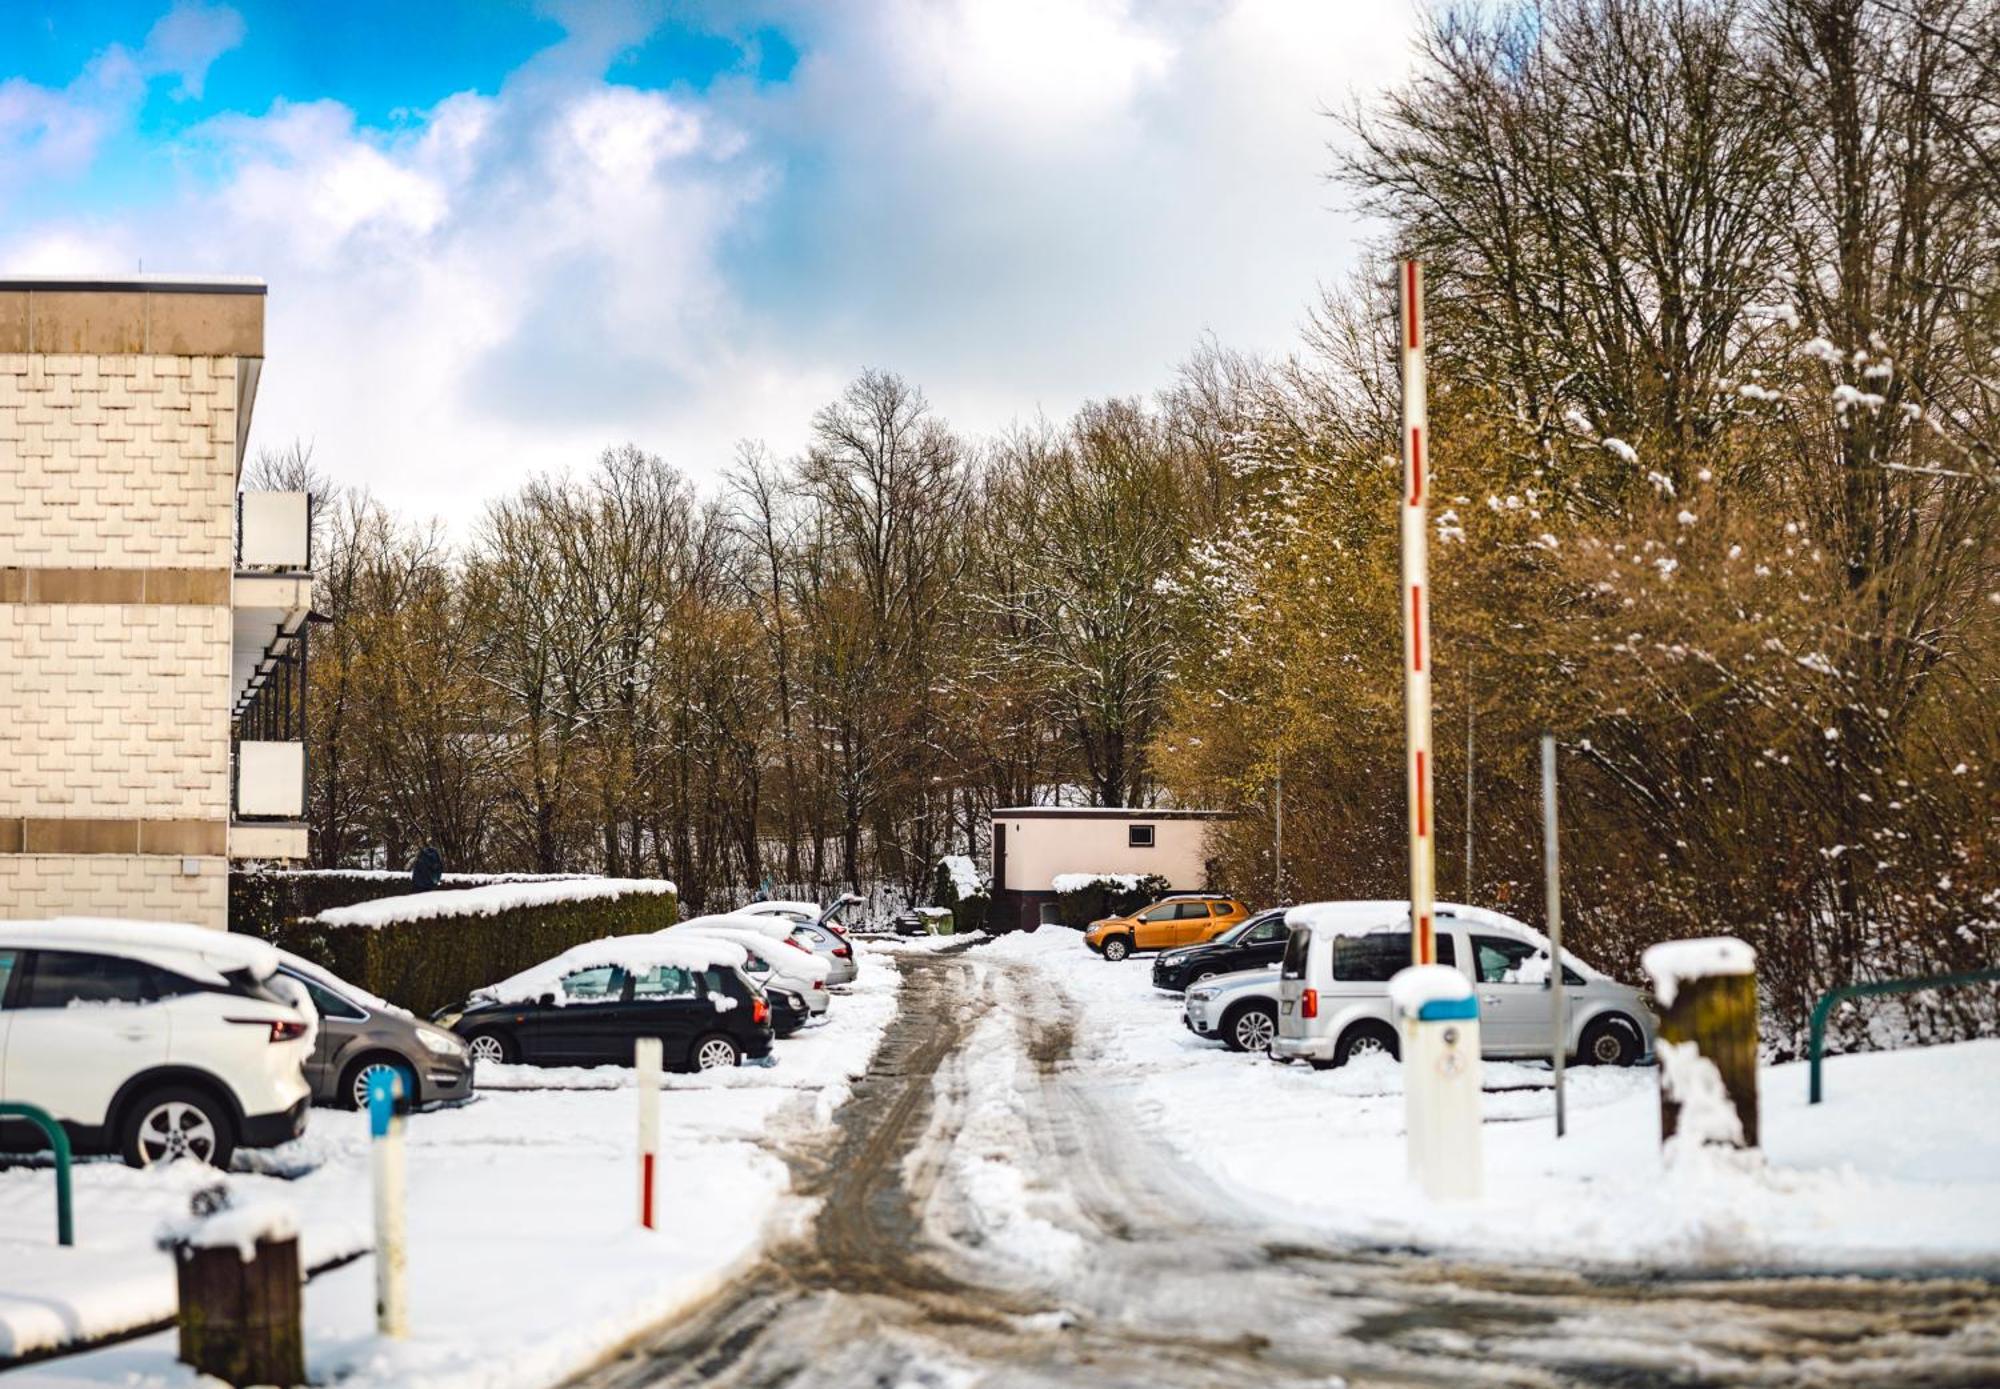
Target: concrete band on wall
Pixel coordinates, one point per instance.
(138, 587)
(117, 318)
(179, 838)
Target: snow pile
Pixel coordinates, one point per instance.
(1670, 962)
(490, 900)
(1410, 989)
(671, 949)
(1065, 883)
(402, 875)
(233, 1225)
(964, 875)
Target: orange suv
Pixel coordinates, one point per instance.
(1183, 919)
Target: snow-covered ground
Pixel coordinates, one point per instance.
(525, 1259)
(1898, 1169)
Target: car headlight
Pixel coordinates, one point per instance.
(1201, 995)
(1173, 959)
(442, 1043)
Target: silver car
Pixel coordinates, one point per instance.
(1333, 987)
(1239, 1010)
(361, 1036)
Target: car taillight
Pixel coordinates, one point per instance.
(819, 983)
(280, 1031)
(835, 927)
(1309, 1003)
(845, 952)
(760, 1011)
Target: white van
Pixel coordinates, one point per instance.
(1333, 986)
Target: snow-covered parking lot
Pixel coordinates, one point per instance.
(1898, 1169)
(525, 1259)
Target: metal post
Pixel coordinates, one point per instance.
(1416, 617)
(1552, 870)
(1468, 780)
(647, 1062)
(385, 1129)
(1278, 886)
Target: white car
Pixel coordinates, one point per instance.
(1333, 987)
(150, 1041)
(1239, 1010)
(776, 958)
(818, 930)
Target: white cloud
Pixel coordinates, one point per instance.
(1017, 205)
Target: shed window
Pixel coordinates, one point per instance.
(1139, 836)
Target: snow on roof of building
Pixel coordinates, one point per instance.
(671, 949)
(490, 900)
(193, 949)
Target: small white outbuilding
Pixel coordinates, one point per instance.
(1035, 844)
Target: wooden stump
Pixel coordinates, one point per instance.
(1718, 1014)
(240, 1319)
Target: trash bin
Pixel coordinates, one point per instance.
(1440, 1078)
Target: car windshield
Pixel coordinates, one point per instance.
(1242, 928)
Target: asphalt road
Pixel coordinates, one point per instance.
(1172, 1283)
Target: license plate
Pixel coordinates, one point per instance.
(1288, 1009)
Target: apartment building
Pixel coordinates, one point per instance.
(153, 620)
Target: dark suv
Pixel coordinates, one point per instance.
(1255, 941)
(704, 1018)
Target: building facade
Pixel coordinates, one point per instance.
(138, 634)
(1035, 844)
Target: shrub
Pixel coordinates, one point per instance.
(260, 899)
(961, 888)
(426, 951)
(1082, 898)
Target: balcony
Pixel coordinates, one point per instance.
(271, 602)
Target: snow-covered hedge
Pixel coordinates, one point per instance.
(1082, 898)
(961, 889)
(429, 949)
(261, 899)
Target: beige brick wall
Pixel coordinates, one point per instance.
(114, 711)
(117, 461)
(135, 887)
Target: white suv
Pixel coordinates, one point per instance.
(150, 1041)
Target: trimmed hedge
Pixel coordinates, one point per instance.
(260, 899)
(431, 964)
(968, 913)
(1108, 896)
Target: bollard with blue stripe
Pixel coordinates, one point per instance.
(385, 1130)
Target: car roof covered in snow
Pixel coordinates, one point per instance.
(192, 950)
(779, 907)
(1371, 918)
(798, 963)
(668, 949)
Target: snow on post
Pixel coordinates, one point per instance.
(238, 1288)
(1708, 1041)
(1417, 615)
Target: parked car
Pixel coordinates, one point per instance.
(1333, 997)
(588, 1005)
(775, 957)
(153, 1042)
(1183, 919)
(822, 932)
(1239, 1010)
(361, 1036)
(1252, 942)
(788, 1011)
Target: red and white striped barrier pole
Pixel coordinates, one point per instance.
(646, 1062)
(1417, 616)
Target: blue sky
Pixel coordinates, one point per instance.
(501, 235)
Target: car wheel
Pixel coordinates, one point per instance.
(1367, 1039)
(715, 1052)
(354, 1091)
(1117, 948)
(1612, 1041)
(177, 1121)
(490, 1046)
(1251, 1027)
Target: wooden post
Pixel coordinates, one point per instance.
(1708, 1039)
(239, 1318)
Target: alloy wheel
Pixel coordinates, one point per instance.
(1255, 1029)
(1607, 1048)
(1366, 1046)
(486, 1047)
(368, 1073)
(714, 1054)
(175, 1129)
(1114, 950)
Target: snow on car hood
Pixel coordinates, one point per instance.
(682, 950)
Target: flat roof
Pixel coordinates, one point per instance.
(158, 284)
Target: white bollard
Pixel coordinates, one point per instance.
(646, 1060)
(385, 1127)
(1441, 1079)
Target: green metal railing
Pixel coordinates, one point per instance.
(58, 1140)
(1832, 998)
